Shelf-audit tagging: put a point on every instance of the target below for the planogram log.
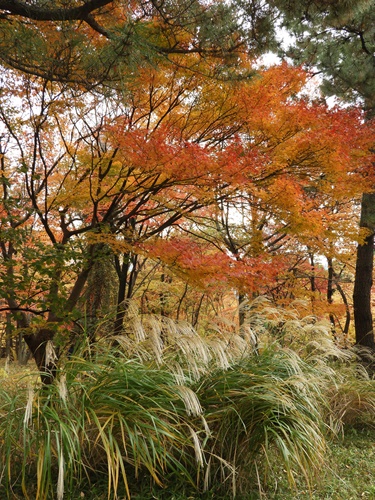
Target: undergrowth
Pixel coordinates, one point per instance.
(172, 414)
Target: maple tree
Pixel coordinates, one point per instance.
(89, 180)
(284, 177)
(338, 39)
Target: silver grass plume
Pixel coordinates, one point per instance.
(62, 387)
(190, 399)
(60, 478)
(51, 356)
(27, 420)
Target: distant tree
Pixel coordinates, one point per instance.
(285, 193)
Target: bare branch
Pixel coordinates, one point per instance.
(37, 13)
(24, 309)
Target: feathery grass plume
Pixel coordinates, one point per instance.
(190, 399)
(29, 407)
(344, 379)
(263, 317)
(137, 328)
(309, 336)
(51, 356)
(199, 456)
(265, 405)
(175, 342)
(61, 386)
(60, 477)
(155, 336)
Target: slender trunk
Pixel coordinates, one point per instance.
(241, 309)
(330, 292)
(133, 276)
(122, 270)
(180, 302)
(312, 281)
(39, 341)
(8, 336)
(197, 310)
(345, 330)
(364, 334)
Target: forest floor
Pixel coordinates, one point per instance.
(349, 473)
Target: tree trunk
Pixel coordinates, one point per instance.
(40, 342)
(196, 311)
(8, 337)
(364, 334)
(122, 270)
(38, 345)
(241, 309)
(330, 292)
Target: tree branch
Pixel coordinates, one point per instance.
(16, 308)
(33, 11)
(36, 13)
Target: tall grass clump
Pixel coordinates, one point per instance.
(346, 374)
(107, 417)
(128, 423)
(352, 398)
(262, 407)
(165, 407)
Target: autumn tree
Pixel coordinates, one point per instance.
(105, 47)
(92, 180)
(338, 39)
(284, 193)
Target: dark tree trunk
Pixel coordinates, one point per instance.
(122, 270)
(241, 309)
(8, 337)
(127, 273)
(345, 330)
(312, 282)
(330, 292)
(364, 334)
(180, 302)
(196, 311)
(37, 343)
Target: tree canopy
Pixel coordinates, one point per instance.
(105, 42)
(143, 143)
(338, 39)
